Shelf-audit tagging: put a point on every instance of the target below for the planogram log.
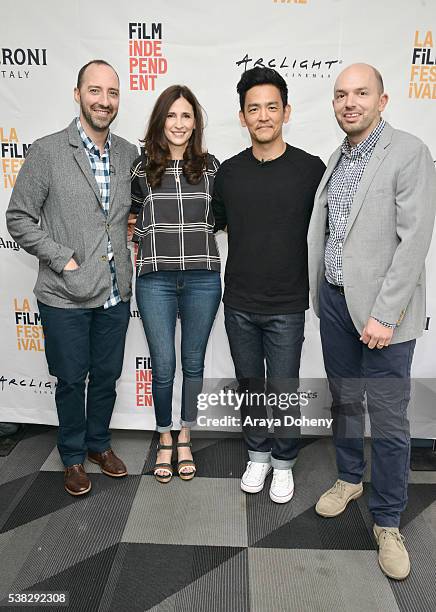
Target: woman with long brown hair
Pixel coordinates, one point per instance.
(178, 264)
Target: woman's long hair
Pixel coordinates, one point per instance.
(156, 147)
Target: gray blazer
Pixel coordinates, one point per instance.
(55, 213)
(388, 235)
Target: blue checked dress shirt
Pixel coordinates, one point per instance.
(100, 166)
(342, 188)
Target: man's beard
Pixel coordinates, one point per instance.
(102, 125)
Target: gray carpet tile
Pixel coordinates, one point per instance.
(78, 531)
(47, 494)
(222, 589)
(147, 575)
(28, 456)
(15, 547)
(131, 446)
(429, 515)
(11, 493)
(317, 581)
(314, 472)
(418, 592)
(84, 582)
(420, 497)
(204, 511)
(310, 531)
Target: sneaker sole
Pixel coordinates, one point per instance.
(282, 499)
(251, 489)
(385, 572)
(330, 515)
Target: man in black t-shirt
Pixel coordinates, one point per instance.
(264, 196)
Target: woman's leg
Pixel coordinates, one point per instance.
(199, 299)
(157, 303)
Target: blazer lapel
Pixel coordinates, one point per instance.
(115, 169)
(334, 158)
(380, 151)
(82, 158)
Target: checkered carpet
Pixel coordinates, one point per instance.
(133, 544)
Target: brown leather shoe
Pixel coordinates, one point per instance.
(109, 463)
(76, 481)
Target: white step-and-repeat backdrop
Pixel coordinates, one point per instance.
(205, 45)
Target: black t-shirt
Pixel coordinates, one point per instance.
(266, 208)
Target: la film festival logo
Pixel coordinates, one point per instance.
(146, 59)
(30, 336)
(290, 1)
(143, 381)
(423, 71)
(12, 154)
(13, 62)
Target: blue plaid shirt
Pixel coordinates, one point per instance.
(100, 166)
(342, 188)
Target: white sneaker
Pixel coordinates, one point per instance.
(282, 486)
(253, 479)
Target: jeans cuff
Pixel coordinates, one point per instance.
(164, 429)
(386, 521)
(351, 479)
(258, 457)
(282, 464)
(68, 462)
(189, 424)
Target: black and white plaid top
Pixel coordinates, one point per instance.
(174, 228)
(342, 188)
(100, 166)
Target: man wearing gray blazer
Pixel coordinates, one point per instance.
(69, 208)
(369, 234)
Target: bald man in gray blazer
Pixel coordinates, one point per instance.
(368, 238)
(69, 208)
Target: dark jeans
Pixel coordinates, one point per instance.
(195, 295)
(81, 342)
(383, 375)
(277, 340)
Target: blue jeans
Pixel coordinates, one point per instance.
(81, 343)
(277, 340)
(195, 295)
(383, 376)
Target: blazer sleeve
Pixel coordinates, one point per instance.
(415, 212)
(23, 214)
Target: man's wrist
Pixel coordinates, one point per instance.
(385, 323)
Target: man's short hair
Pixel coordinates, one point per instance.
(99, 62)
(261, 76)
(379, 79)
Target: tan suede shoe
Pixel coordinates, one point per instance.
(393, 557)
(335, 500)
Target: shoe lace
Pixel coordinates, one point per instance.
(280, 476)
(338, 489)
(254, 466)
(390, 534)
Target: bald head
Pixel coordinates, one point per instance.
(363, 70)
(359, 100)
